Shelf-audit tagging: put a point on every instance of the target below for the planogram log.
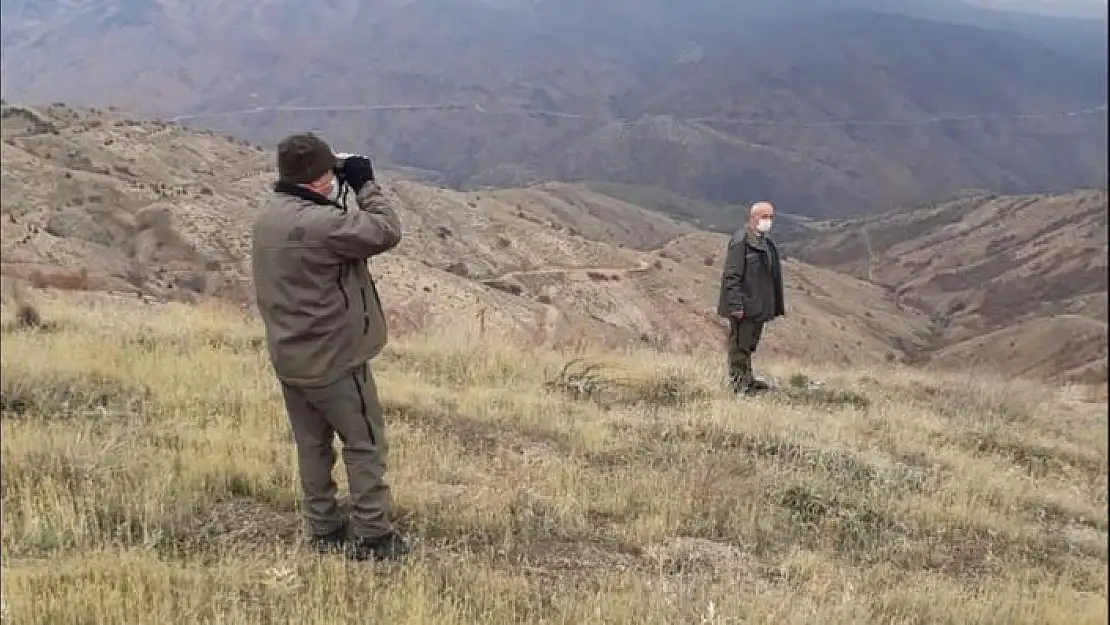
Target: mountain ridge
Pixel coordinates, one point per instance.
(577, 92)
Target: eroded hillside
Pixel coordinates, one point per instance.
(1015, 281)
(102, 201)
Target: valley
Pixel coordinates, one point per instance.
(104, 201)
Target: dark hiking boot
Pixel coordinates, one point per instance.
(391, 546)
(330, 543)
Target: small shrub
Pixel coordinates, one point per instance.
(506, 286)
(800, 381)
(581, 382)
(821, 397)
(666, 388)
(67, 396)
(28, 317)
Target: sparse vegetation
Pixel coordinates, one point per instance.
(149, 477)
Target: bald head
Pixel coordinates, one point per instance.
(759, 220)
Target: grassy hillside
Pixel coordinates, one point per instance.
(149, 477)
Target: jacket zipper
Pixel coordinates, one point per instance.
(365, 311)
(377, 298)
(342, 289)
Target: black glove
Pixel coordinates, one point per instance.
(357, 171)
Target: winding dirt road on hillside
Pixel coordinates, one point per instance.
(644, 266)
(552, 314)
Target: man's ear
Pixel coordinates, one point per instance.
(321, 184)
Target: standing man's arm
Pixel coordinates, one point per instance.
(776, 275)
(372, 229)
(733, 278)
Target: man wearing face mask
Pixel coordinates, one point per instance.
(751, 294)
(323, 322)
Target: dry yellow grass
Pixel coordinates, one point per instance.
(149, 477)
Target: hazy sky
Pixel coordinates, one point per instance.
(1085, 8)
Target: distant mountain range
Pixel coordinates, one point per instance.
(829, 107)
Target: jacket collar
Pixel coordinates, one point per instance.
(759, 242)
(304, 193)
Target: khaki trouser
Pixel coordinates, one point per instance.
(743, 339)
(349, 408)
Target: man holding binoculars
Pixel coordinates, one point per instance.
(324, 322)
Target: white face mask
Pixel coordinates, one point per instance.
(333, 195)
(763, 226)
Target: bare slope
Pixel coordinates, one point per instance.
(1020, 275)
(98, 200)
